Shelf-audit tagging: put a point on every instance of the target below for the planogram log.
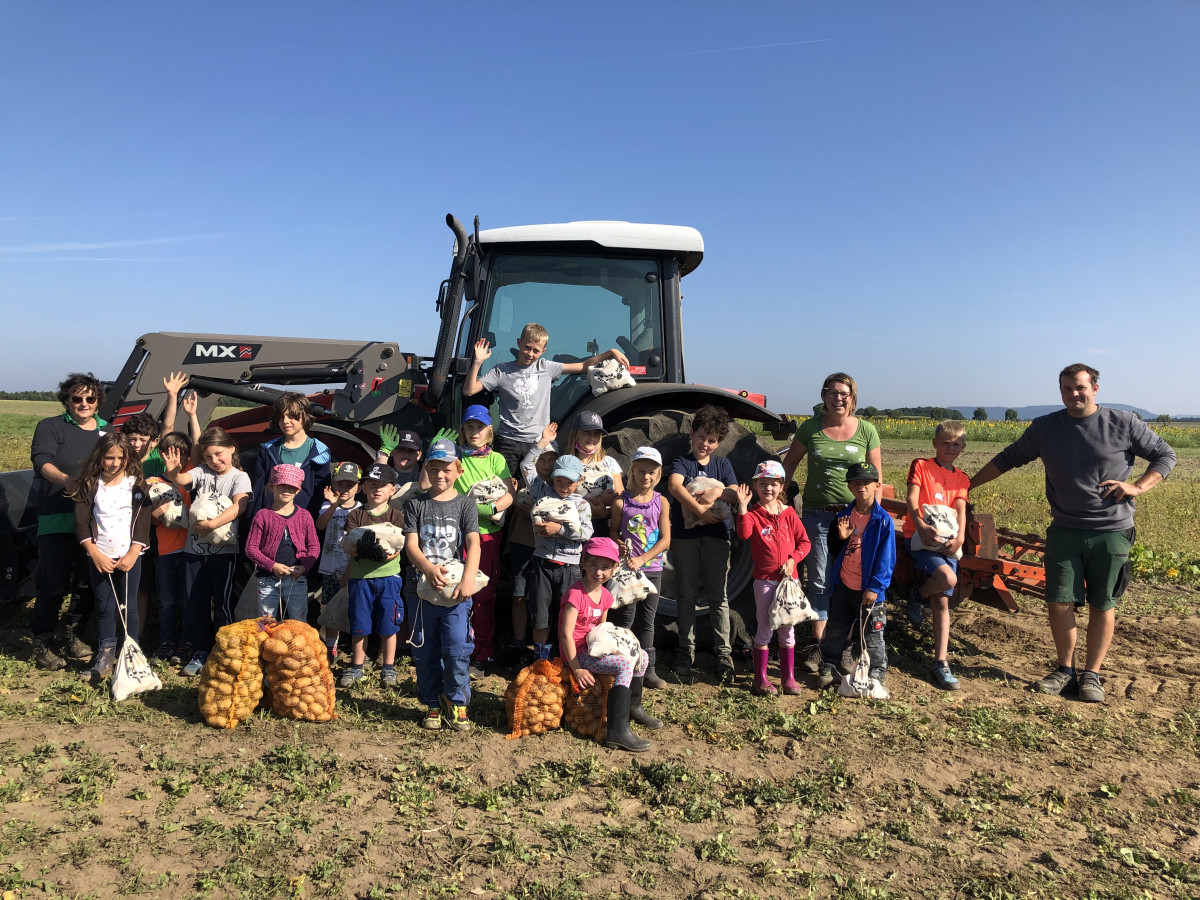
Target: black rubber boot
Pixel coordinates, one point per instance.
(636, 713)
(44, 657)
(72, 646)
(620, 737)
(651, 677)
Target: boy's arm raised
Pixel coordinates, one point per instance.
(471, 386)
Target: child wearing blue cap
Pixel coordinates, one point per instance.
(481, 463)
(441, 526)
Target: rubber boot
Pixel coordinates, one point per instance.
(787, 671)
(651, 678)
(619, 736)
(636, 712)
(102, 665)
(761, 686)
(70, 643)
(44, 657)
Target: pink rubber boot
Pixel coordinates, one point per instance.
(762, 685)
(787, 670)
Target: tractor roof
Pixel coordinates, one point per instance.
(678, 240)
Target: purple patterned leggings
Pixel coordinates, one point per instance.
(615, 664)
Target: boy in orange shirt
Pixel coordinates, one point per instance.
(936, 482)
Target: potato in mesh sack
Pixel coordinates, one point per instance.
(587, 711)
(534, 699)
(232, 678)
(298, 675)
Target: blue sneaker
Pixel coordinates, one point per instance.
(192, 669)
(943, 677)
(915, 608)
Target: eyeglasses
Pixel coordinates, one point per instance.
(842, 395)
(84, 401)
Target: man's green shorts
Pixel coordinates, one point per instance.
(1078, 560)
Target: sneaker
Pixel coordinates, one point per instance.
(192, 669)
(351, 676)
(915, 607)
(164, 653)
(433, 719)
(725, 672)
(389, 676)
(456, 716)
(943, 677)
(1057, 682)
(331, 654)
(810, 658)
(181, 653)
(1090, 690)
(825, 677)
(683, 666)
(475, 670)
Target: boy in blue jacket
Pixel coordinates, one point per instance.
(865, 544)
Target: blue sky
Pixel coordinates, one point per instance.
(950, 201)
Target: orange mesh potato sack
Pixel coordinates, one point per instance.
(298, 675)
(587, 712)
(231, 680)
(534, 699)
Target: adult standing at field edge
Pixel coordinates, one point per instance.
(60, 446)
(1088, 453)
(833, 442)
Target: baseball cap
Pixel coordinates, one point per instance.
(408, 440)
(588, 421)
(346, 471)
(288, 474)
(568, 467)
(381, 472)
(769, 468)
(477, 413)
(444, 450)
(862, 472)
(602, 546)
(647, 453)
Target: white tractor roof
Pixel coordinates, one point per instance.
(685, 242)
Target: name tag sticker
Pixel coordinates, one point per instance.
(850, 448)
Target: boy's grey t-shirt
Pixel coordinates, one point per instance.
(441, 526)
(524, 396)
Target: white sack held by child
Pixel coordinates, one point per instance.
(944, 521)
(698, 486)
(595, 484)
(859, 682)
(132, 673)
(445, 596)
(390, 537)
(557, 509)
(789, 606)
(209, 506)
(489, 491)
(607, 639)
(168, 499)
(629, 586)
(335, 615)
(610, 375)
(404, 493)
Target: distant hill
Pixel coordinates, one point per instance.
(1024, 413)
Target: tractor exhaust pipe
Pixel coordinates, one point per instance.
(449, 305)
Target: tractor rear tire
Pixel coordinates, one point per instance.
(668, 433)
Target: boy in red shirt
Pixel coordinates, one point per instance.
(936, 482)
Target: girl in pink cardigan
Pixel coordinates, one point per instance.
(283, 546)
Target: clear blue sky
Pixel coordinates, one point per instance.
(948, 200)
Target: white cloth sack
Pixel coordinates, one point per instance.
(628, 586)
(557, 509)
(404, 493)
(610, 375)
(247, 605)
(789, 606)
(209, 506)
(944, 521)
(167, 498)
(335, 615)
(859, 682)
(444, 597)
(489, 491)
(391, 537)
(132, 674)
(595, 483)
(607, 639)
(698, 486)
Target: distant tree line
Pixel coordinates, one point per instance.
(53, 395)
(913, 412)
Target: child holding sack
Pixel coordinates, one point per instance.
(282, 544)
(584, 606)
(778, 543)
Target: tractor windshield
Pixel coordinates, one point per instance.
(587, 305)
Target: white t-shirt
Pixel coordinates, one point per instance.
(113, 511)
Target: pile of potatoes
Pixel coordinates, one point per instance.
(587, 711)
(534, 699)
(231, 682)
(298, 673)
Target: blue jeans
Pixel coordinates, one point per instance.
(126, 584)
(442, 643)
(172, 597)
(289, 592)
(818, 563)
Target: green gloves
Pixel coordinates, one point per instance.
(446, 434)
(389, 437)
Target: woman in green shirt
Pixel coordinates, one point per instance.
(833, 442)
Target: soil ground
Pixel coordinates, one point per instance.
(989, 792)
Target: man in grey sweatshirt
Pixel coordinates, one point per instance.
(1088, 453)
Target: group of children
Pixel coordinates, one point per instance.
(558, 568)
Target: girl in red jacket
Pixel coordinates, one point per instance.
(777, 544)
